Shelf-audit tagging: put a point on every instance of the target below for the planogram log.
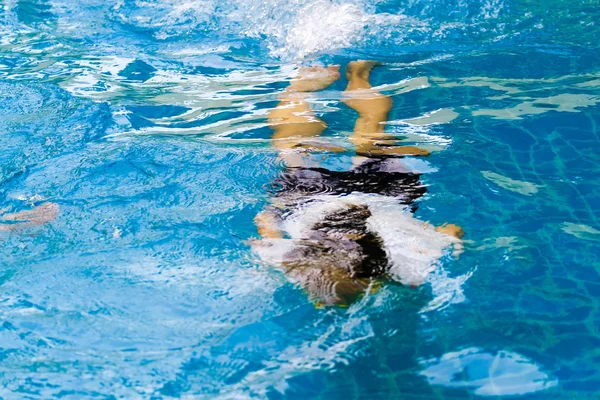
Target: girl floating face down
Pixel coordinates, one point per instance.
(337, 233)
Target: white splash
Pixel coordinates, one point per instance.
(322, 26)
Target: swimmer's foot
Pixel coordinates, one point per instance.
(313, 79)
(357, 73)
(38, 216)
(393, 151)
(452, 230)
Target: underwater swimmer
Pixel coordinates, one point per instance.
(337, 233)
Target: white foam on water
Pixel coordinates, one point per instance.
(299, 29)
(322, 26)
(293, 30)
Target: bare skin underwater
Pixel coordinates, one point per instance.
(37, 216)
(296, 130)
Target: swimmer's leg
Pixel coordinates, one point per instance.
(293, 120)
(40, 215)
(373, 110)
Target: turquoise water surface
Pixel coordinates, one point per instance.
(146, 123)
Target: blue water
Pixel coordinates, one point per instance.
(146, 122)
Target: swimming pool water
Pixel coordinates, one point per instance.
(146, 122)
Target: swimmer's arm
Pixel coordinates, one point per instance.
(266, 222)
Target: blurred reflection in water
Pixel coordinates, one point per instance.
(490, 374)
